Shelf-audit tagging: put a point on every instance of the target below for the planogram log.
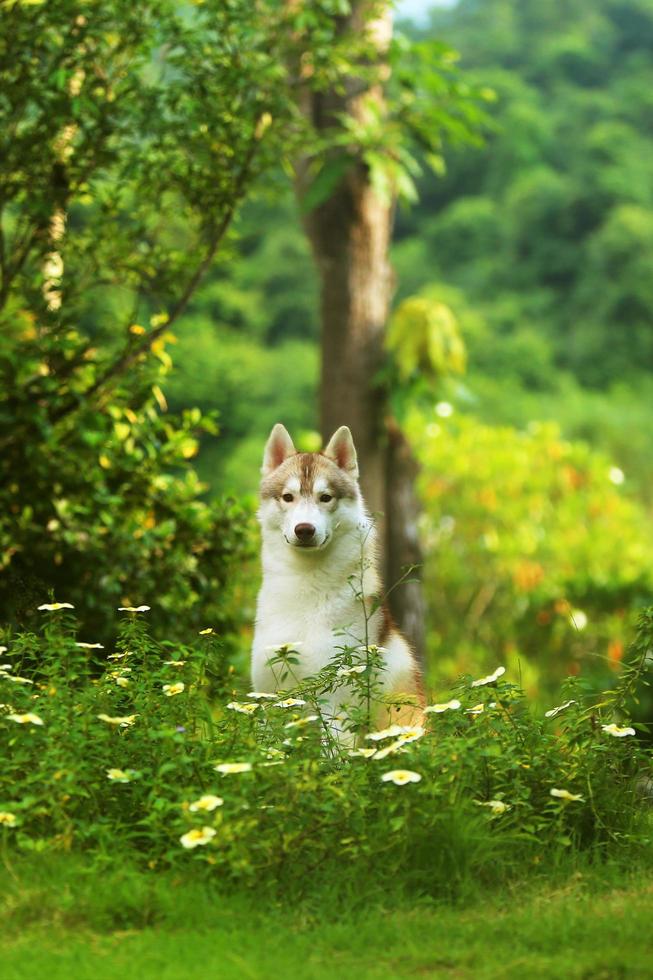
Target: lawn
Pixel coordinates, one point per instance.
(62, 921)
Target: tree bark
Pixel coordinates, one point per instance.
(350, 236)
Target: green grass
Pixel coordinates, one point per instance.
(61, 920)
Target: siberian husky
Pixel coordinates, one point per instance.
(318, 548)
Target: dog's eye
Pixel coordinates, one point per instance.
(326, 497)
(288, 497)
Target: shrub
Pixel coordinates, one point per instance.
(536, 555)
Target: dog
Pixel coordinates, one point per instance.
(320, 582)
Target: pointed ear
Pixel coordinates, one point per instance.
(278, 447)
(341, 449)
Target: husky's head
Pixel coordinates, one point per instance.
(310, 498)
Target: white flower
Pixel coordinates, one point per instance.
(617, 731)
(90, 646)
(478, 709)
(348, 671)
(18, 680)
(437, 709)
(3, 650)
(556, 711)
(120, 775)
(363, 752)
(119, 656)
(54, 606)
(278, 647)
(209, 631)
(244, 707)
(497, 806)
(389, 749)
(259, 695)
(122, 721)
(390, 732)
(578, 619)
(564, 794)
(170, 690)
(411, 733)
(27, 719)
(301, 722)
(5, 667)
(206, 803)
(134, 609)
(7, 819)
(290, 703)
(401, 776)
(227, 768)
(174, 663)
(490, 679)
(616, 476)
(197, 837)
(444, 410)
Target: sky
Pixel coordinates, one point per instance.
(418, 9)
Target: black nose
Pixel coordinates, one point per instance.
(304, 531)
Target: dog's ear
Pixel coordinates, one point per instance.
(341, 449)
(278, 447)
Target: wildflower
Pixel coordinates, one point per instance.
(364, 752)
(290, 703)
(578, 619)
(259, 695)
(617, 731)
(390, 732)
(134, 609)
(123, 721)
(7, 819)
(389, 749)
(54, 606)
(556, 711)
(478, 709)
(18, 680)
(170, 690)
(348, 671)
(3, 650)
(564, 794)
(5, 667)
(120, 775)
(616, 476)
(497, 806)
(27, 719)
(401, 776)
(207, 632)
(437, 709)
(301, 722)
(244, 707)
(206, 803)
(490, 679)
(275, 754)
(197, 837)
(411, 734)
(119, 656)
(174, 663)
(228, 768)
(90, 646)
(122, 681)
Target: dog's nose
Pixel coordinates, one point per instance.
(304, 531)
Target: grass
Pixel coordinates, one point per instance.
(61, 919)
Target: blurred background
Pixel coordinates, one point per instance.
(518, 356)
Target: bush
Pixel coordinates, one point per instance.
(536, 555)
(123, 756)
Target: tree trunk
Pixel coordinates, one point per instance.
(350, 236)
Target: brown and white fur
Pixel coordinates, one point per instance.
(316, 538)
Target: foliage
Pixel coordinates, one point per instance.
(123, 758)
(536, 555)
